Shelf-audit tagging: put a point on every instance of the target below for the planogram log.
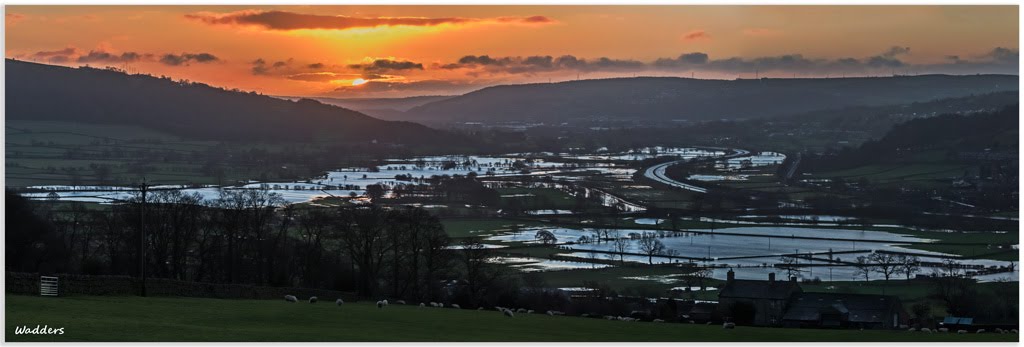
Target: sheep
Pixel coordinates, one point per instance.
(400, 302)
(422, 305)
(558, 313)
(980, 331)
(1014, 331)
(729, 325)
(522, 310)
(339, 302)
(609, 317)
(585, 315)
(658, 321)
(456, 306)
(1000, 331)
(508, 313)
(961, 331)
(926, 330)
(550, 313)
(691, 322)
(312, 299)
(911, 330)
(433, 304)
(529, 311)
(291, 298)
(481, 308)
(943, 330)
(385, 301)
(380, 304)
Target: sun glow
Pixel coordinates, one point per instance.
(358, 81)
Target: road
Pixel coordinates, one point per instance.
(657, 172)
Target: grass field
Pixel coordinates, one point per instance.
(191, 319)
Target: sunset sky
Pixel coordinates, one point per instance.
(378, 51)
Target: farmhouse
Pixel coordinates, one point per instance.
(775, 303)
(840, 310)
(756, 302)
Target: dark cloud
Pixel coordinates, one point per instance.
(998, 60)
(57, 56)
(430, 86)
(106, 57)
(535, 64)
(187, 58)
(1002, 54)
(282, 20)
(387, 65)
(696, 35)
(895, 51)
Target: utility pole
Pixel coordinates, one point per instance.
(142, 238)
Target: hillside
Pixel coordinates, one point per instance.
(669, 98)
(192, 110)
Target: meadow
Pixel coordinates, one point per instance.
(95, 319)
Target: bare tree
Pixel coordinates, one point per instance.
(619, 247)
(863, 267)
(651, 247)
(908, 265)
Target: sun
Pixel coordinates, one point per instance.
(358, 81)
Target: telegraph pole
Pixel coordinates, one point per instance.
(142, 238)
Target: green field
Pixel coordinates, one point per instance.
(191, 319)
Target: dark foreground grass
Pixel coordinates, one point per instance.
(190, 319)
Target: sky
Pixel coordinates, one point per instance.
(398, 51)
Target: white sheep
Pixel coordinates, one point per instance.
(529, 311)
(481, 308)
(729, 325)
(609, 317)
(961, 331)
(1000, 331)
(943, 330)
(658, 321)
(1013, 331)
(550, 313)
(385, 301)
(422, 305)
(400, 302)
(508, 313)
(926, 330)
(691, 321)
(911, 330)
(380, 304)
(339, 302)
(433, 304)
(291, 298)
(522, 310)
(312, 299)
(456, 306)
(980, 331)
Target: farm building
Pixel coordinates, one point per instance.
(756, 302)
(839, 310)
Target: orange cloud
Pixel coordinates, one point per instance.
(696, 35)
(283, 21)
(14, 18)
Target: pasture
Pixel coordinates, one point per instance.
(90, 318)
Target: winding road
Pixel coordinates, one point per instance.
(657, 172)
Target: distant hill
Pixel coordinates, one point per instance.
(191, 110)
(382, 108)
(670, 98)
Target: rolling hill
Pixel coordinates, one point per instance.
(670, 98)
(191, 110)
